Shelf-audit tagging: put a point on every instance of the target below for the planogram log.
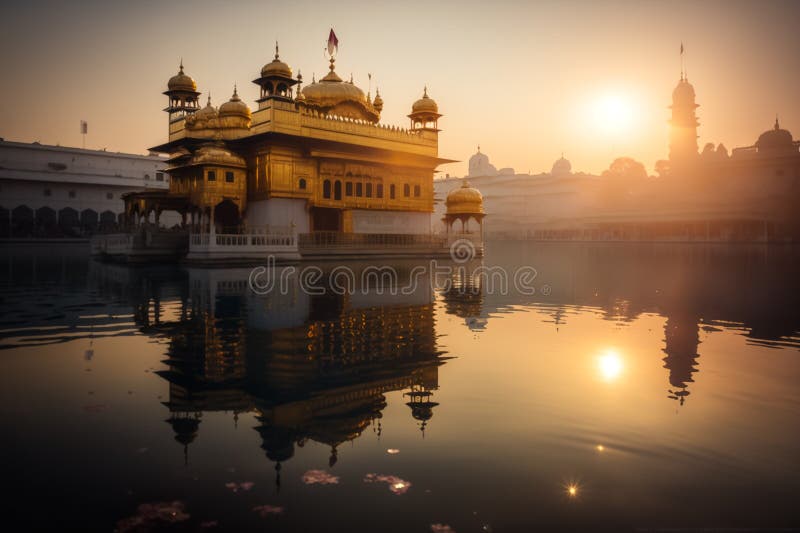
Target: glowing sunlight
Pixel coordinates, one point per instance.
(610, 365)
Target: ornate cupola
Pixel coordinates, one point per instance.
(425, 113)
(182, 94)
(276, 81)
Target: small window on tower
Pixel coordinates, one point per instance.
(391, 191)
(212, 175)
(229, 177)
(348, 188)
(301, 184)
(406, 190)
(369, 190)
(359, 189)
(417, 190)
(379, 190)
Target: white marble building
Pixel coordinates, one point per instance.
(56, 191)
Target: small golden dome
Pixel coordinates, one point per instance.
(465, 200)
(234, 107)
(426, 104)
(378, 102)
(181, 82)
(276, 67)
(217, 154)
(209, 111)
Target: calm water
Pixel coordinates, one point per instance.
(660, 382)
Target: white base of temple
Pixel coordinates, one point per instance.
(254, 245)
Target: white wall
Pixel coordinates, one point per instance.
(368, 221)
(280, 212)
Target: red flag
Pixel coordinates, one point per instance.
(333, 43)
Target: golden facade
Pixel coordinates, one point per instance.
(321, 147)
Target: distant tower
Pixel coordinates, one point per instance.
(182, 94)
(683, 125)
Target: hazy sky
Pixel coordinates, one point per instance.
(525, 80)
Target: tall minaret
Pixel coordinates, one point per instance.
(182, 94)
(683, 125)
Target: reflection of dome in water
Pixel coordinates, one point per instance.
(775, 139)
(682, 339)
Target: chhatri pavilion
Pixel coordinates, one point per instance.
(311, 163)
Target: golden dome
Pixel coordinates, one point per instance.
(217, 154)
(426, 104)
(234, 107)
(333, 96)
(209, 111)
(181, 82)
(464, 200)
(276, 67)
(378, 102)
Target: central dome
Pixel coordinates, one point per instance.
(332, 96)
(234, 107)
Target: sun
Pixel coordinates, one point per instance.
(613, 113)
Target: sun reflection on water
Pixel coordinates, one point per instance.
(610, 365)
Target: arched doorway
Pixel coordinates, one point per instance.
(226, 216)
(68, 221)
(45, 221)
(108, 221)
(89, 220)
(22, 221)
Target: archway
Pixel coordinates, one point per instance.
(108, 221)
(45, 221)
(22, 221)
(68, 221)
(226, 216)
(89, 220)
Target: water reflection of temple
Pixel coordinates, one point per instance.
(682, 338)
(311, 367)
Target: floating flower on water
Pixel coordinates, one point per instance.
(321, 477)
(150, 516)
(236, 487)
(442, 528)
(266, 510)
(396, 485)
(392, 451)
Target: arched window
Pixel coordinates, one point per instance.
(337, 190)
(406, 190)
(417, 190)
(391, 191)
(326, 189)
(301, 184)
